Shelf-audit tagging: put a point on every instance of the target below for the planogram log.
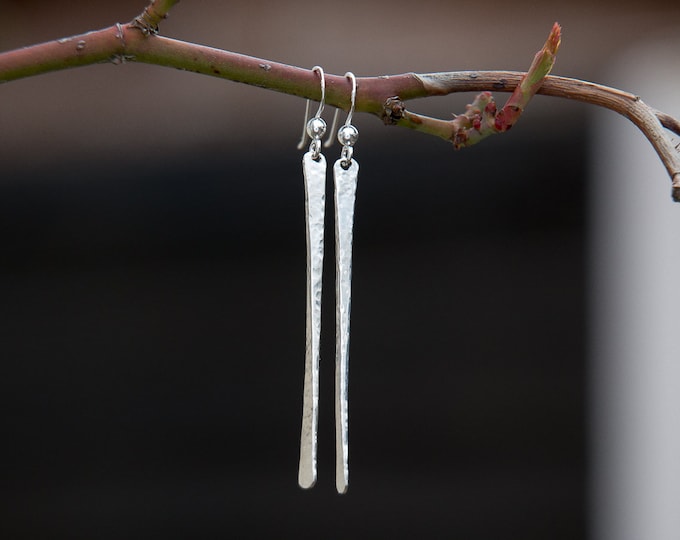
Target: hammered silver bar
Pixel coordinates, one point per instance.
(345, 192)
(315, 200)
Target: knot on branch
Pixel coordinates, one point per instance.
(393, 111)
(146, 23)
(152, 15)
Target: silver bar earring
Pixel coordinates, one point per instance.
(314, 170)
(345, 173)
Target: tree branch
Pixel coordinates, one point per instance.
(650, 121)
(383, 96)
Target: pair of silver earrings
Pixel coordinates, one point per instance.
(345, 173)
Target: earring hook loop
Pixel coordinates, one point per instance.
(319, 70)
(348, 134)
(316, 125)
(353, 97)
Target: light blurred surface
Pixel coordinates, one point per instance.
(635, 308)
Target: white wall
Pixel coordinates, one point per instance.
(635, 313)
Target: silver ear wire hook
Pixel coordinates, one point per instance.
(319, 70)
(348, 134)
(353, 97)
(316, 127)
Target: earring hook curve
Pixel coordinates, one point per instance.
(353, 97)
(319, 70)
(348, 134)
(303, 139)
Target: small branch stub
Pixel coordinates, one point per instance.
(152, 15)
(393, 111)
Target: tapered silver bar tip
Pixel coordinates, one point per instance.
(342, 482)
(306, 479)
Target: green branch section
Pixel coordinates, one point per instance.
(482, 117)
(384, 96)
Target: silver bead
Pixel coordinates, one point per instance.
(348, 135)
(316, 128)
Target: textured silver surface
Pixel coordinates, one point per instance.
(345, 192)
(315, 197)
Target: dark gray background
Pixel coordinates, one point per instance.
(153, 345)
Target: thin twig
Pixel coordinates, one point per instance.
(650, 121)
(383, 96)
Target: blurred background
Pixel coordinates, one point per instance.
(152, 274)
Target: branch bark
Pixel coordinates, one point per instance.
(383, 96)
